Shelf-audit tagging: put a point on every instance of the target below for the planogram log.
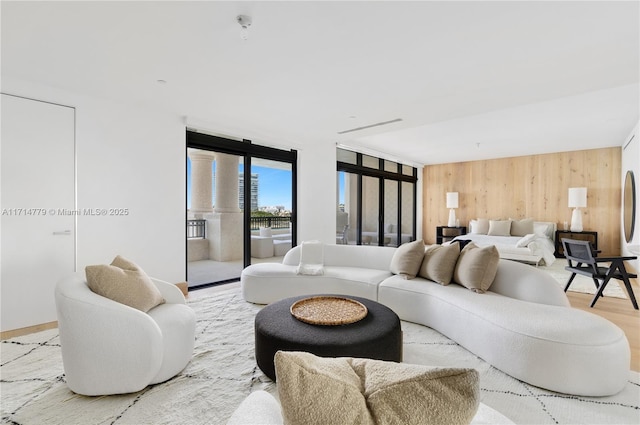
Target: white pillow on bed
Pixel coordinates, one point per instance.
(479, 226)
(543, 229)
(526, 240)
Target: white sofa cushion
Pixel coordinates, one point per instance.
(368, 257)
(311, 258)
(268, 282)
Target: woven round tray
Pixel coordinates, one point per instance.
(328, 310)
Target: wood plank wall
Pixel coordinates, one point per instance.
(533, 186)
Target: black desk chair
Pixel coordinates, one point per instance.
(586, 263)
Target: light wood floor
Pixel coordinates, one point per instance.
(617, 310)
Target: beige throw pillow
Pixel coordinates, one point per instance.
(315, 390)
(407, 259)
(477, 267)
(499, 228)
(522, 227)
(482, 226)
(124, 282)
(440, 262)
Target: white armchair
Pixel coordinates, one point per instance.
(111, 348)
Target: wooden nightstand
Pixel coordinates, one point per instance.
(446, 233)
(581, 236)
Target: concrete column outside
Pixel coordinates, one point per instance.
(227, 189)
(201, 182)
(226, 223)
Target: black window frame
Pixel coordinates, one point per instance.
(360, 170)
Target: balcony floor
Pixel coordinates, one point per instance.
(208, 271)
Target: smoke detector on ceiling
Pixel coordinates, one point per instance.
(245, 22)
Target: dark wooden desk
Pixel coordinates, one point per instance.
(617, 270)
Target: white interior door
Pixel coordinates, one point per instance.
(38, 208)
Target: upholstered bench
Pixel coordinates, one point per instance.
(377, 336)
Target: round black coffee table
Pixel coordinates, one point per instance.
(377, 336)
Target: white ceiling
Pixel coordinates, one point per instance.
(470, 80)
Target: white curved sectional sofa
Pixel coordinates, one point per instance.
(523, 325)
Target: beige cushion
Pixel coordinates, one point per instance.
(522, 227)
(407, 259)
(481, 226)
(124, 282)
(440, 262)
(315, 390)
(476, 267)
(499, 228)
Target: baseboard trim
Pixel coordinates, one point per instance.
(28, 330)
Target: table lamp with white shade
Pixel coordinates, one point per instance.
(577, 200)
(452, 204)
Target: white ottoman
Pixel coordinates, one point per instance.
(261, 246)
(280, 247)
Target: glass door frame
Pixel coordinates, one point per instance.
(246, 149)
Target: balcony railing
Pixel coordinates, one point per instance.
(196, 229)
(275, 222)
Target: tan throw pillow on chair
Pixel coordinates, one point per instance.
(477, 267)
(440, 262)
(407, 259)
(315, 390)
(124, 282)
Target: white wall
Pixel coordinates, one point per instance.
(631, 161)
(127, 157)
(133, 157)
(317, 193)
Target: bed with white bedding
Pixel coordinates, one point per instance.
(536, 247)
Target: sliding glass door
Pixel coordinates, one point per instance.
(240, 207)
(271, 209)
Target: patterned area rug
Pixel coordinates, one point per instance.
(223, 372)
(581, 283)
